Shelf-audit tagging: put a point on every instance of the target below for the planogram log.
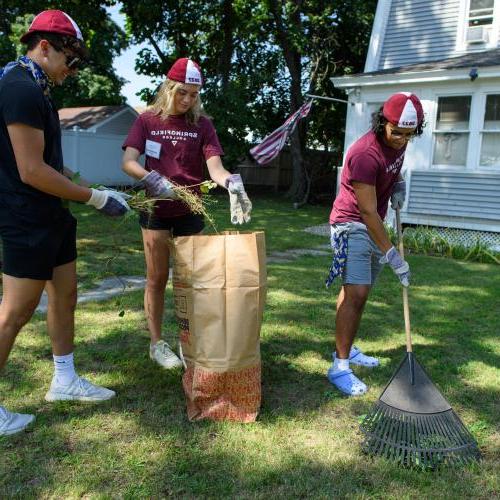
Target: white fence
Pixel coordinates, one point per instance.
(97, 157)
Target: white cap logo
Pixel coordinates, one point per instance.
(408, 118)
(193, 75)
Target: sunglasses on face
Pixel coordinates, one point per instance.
(73, 62)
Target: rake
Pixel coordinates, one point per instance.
(412, 423)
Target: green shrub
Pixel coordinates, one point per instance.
(428, 241)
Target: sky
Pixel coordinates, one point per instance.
(124, 65)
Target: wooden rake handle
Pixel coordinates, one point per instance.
(406, 306)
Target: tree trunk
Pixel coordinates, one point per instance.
(292, 57)
(227, 26)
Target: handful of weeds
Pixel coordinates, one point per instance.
(198, 205)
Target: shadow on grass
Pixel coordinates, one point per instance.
(141, 442)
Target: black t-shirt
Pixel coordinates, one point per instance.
(22, 101)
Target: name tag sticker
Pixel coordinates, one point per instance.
(153, 149)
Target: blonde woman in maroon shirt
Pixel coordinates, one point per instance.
(177, 139)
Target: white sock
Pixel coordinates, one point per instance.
(64, 369)
(340, 364)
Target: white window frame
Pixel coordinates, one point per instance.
(435, 132)
(463, 24)
(482, 97)
(476, 130)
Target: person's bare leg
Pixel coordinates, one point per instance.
(61, 291)
(66, 385)
(20, 299)
(350, 305)
(156, 253)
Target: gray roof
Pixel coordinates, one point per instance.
(473, 60)
(87, 117)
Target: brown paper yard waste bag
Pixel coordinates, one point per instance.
(220, 291)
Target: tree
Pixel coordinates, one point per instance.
(318, 39)
(97, 84)
(259, 58)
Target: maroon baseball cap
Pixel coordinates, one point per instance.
(54, 21)
(403, 109)
(186, 71)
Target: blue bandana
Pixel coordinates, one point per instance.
(38, 74)
(339, 245)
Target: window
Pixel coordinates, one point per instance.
(490, 152)
(480, 23)
(452, 131)
(481, 12)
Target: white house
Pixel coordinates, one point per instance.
(91, 141)
(448, 53)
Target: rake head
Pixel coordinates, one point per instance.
(414, 425)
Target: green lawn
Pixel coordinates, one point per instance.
(306, 440)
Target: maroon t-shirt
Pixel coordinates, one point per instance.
(176, 150)
(368, 161)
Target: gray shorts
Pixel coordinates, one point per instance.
(362, 265)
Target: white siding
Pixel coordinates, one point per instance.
(468, 199)
(419, 31)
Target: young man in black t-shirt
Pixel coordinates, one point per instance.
(38, 232)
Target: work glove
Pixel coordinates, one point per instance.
(398, 265)
(398, 195)
(109, 202)
(240, 204)
(158, 186)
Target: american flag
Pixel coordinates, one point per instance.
(270, 147)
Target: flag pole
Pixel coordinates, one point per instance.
(327, 98)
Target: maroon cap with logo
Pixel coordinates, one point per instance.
(186, 71)
(54, 21)
(404, 110)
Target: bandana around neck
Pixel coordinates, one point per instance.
(38, 74)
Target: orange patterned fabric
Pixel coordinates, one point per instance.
(232, 396)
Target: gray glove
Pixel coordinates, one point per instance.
(234, 184)
(240, 204)
(398, 265)
(109, 202)
(158, 186)
(398, 195)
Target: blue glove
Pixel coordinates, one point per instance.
(398, 265)
(158, 186)
(109, 202)
(240, 204)
(398, 195)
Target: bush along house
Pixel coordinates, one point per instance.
(448, 53)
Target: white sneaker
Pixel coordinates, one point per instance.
(162, 353)
(10, 423)
(79, 389)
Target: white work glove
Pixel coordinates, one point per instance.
(398, 265)
(398, 195)
(158, 186)
(109, 202)
(240, 204)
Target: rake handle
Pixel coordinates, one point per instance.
(406, 306)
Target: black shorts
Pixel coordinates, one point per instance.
(184, 225)
(34, 251)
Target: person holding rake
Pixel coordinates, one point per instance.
(370, 178)
(38, 232)
(177, 138)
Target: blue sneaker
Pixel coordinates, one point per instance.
(345, 381)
